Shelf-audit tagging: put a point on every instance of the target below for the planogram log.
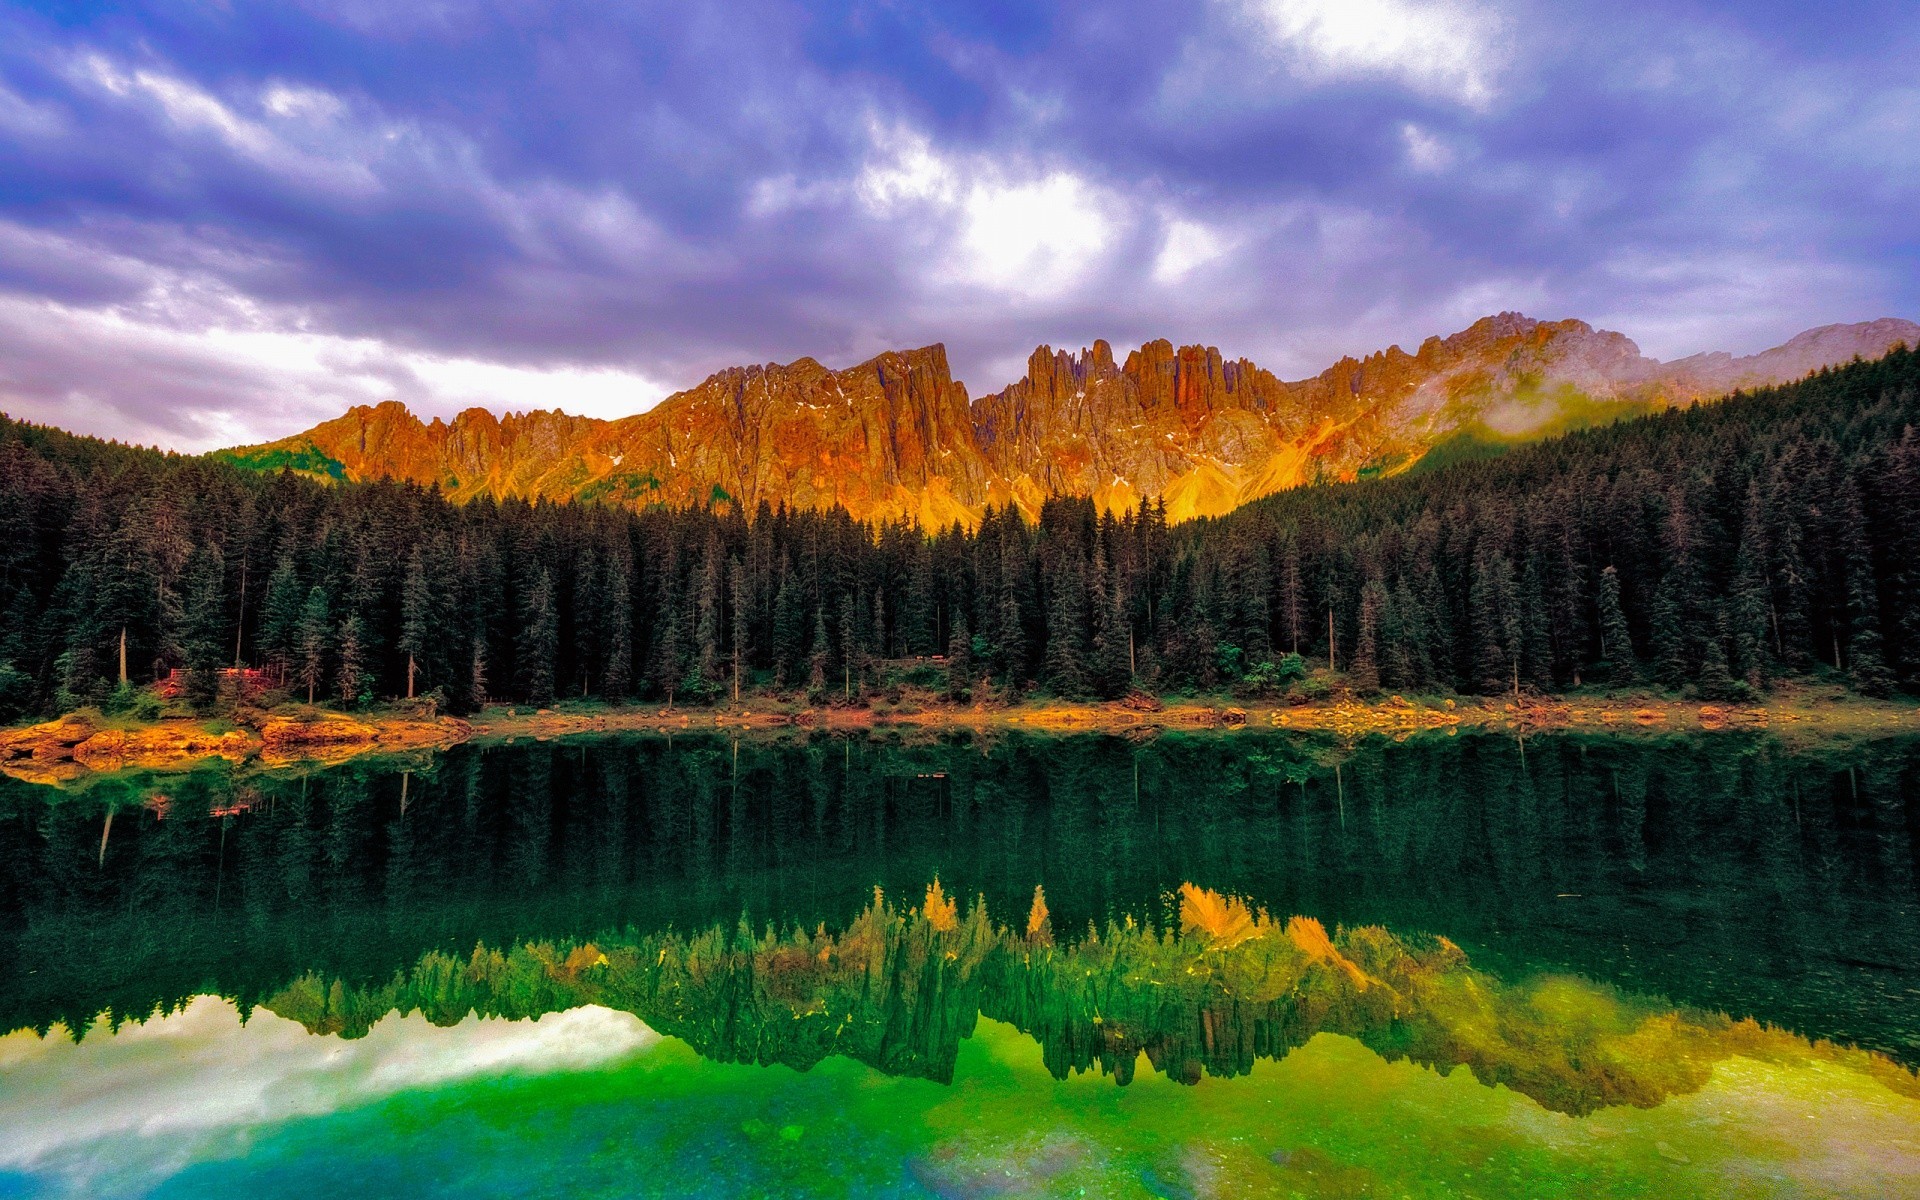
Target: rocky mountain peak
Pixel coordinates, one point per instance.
(896, 437)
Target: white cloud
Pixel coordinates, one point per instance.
(1022, 230)
(904, 169)
(120, 1111)
(1187, 245)
(100, 370)
(1442, 48)
(327, 162)
(293, 100)
(1425, 152)
(1036, 238)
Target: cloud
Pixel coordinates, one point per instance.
(92, 368)
(230, 222)
(1024, 231)
(1425, 152)
(193, 110)
(1441, 48)
(1188, 245)
(120, 1111)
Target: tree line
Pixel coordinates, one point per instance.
(1716, 548)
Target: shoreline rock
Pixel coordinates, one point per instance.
(77, 744)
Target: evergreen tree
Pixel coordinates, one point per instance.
(1866, 658)
(1716, 681)
(1066, 627)
(204, 626)
(1668, 634)
(1748, 603)
(618, 675)
(477, 674)
(280, 617)
(1364, 672)
(819, 655)
(849, 659)
(1616, 641)
(417, 617)
(1496, 624)
(539, 640)
(706, 670)
(959, 658)
(738, 596)
(917, 614)
(789, 629)
(1109, 674)
(350, 677)
(310, 642)
(1008, 631)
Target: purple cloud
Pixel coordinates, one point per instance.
(224, 223)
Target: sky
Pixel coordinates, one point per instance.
(222, 222)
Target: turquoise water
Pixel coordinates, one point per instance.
(684, 984)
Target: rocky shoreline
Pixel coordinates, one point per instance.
(78, 744)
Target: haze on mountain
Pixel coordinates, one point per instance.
(896, 437)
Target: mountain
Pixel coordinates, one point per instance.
(897, 436)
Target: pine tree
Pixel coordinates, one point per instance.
(280, 617)
(1496, 625)
(789, 629)
(959, 658)
(417, 617)
(1536, 643)
(1749, 605)
(849, 659)
(1364, 671)
(1616, 641)
(539, 640)
(618, 675)
(349, 677)
(1008, 630)
(821, 652)
(706, 629)
(477, 674)
(1866, 657)
(310, 642)
(917, 615)
(1290, 595)
(1109, 674)
(1066, 627)
(1716, 682)
(1668, 634)
(738, 595)
(204, 625)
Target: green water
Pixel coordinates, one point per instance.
(1620, 908)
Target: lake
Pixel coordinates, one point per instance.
(1211, 965)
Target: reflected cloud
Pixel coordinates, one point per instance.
(159, 1094)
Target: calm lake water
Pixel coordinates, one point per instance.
(1257, 964)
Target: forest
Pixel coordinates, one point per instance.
(1712, 550)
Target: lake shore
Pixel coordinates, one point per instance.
(80, 744)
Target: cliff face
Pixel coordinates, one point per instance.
(896, 437)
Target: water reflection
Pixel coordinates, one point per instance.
(900, 987)
(1726, 874)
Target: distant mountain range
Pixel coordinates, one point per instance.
(897, 437)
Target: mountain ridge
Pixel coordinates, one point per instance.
(897, 437)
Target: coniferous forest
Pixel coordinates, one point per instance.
(1716, 549)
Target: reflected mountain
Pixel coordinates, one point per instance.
(726, 893)
(899, 988)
